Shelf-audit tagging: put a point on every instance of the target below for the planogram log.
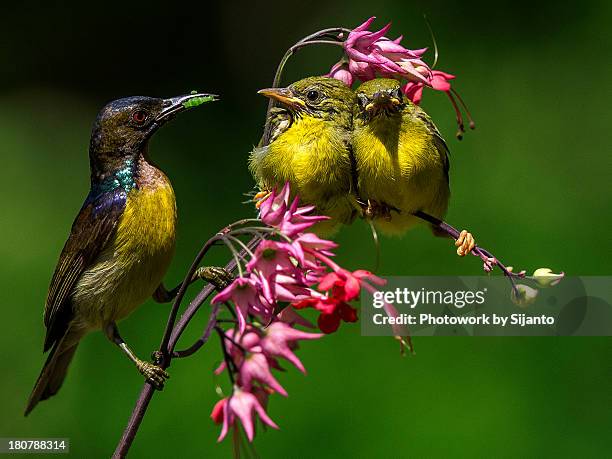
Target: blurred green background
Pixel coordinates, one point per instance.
(532, 183)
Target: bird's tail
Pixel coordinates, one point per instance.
(54, 371)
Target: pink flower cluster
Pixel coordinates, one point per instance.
(288, 270)
(253, 353)
(341, 286)
(292, 271)
(371, 54)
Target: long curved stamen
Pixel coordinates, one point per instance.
(467, 111)
(460, 127)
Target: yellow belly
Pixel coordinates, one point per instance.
(398, 164)
(129, 270)
(313, 157)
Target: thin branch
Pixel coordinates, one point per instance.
(172, 334)
(181, 293)
(484, 254)
(212, 321)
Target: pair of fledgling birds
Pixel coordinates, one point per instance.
(370, 152)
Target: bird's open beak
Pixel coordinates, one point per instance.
(182, 103)
(382, 100)
(284, 96)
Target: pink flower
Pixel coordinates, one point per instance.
(346, 285)
(217, 412)
(255, 366)
(278, 340)
(288, 288)
(329, 323)
(342, 286)
(243, 405)
(245, 293)
(333, 312)
(438, 81)
(370, 53)
(272, 257)
(290, 317)
(362, 70)
(287, 218)
(306, 243)
(341, 72)
(273, 209)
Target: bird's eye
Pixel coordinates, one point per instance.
(139, 116)
(312, 95)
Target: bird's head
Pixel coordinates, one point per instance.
(320, 97)
(381, 96)
(125, 125)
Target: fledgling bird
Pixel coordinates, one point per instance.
(121, 242)
(401, 160)
(310, 148)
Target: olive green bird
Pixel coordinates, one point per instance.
(309, 147)
(121, 242)
(402, 162)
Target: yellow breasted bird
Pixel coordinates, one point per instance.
(402, 161)
(121, 242)
(310, 148)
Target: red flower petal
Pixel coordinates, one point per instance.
(217, 411)
(328, 323)
(347, 313)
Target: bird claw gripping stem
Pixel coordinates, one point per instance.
(157, 357)
(154, 374)
(219, 277)
(374, 209)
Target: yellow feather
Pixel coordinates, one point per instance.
(398, 163)
(129, 270)
(313, 156)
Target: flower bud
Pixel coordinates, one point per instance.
(524, 295)
(546, 278)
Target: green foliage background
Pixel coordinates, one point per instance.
(532, 183)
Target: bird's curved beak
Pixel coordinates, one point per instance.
(179, 104)
(284, 96)
(382, 100)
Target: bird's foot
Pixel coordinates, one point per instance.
(465, 243)
(219, 277)
(154, 374)
(157, 357)
(375, 210)
(260, 197)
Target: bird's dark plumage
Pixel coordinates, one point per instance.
(121, 242)
(91, 231)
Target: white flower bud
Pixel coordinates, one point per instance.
(546, 278)
(525, 295)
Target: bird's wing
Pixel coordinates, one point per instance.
(91, 231)
(279, 120)
(439, 142)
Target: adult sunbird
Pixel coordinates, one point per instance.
(402, 162)
(121, 242)
(310, 148)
